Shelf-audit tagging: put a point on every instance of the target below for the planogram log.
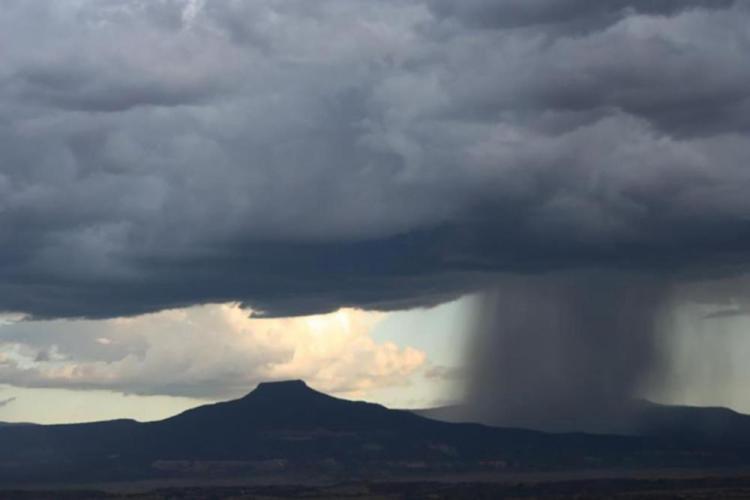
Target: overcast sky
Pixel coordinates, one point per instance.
(169, 166)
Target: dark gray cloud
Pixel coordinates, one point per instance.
(577, 13)
(6, 402)
(300, 156)
(728, 313)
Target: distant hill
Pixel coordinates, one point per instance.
(717, 426)
(706, 426)
(289, 429)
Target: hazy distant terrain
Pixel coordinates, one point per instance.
(706, 426)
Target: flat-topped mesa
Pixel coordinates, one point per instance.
(282, 385)
(282, 389)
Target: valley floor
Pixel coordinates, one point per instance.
(671, 484)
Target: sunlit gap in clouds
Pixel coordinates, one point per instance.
(208, 352)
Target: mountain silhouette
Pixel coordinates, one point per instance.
(288, 428)
(293, 404)
(707, 426)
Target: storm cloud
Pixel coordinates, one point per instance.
(299, 156)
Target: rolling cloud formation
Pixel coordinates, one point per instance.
(301, 156)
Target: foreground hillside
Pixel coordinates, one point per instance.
(288, 430)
